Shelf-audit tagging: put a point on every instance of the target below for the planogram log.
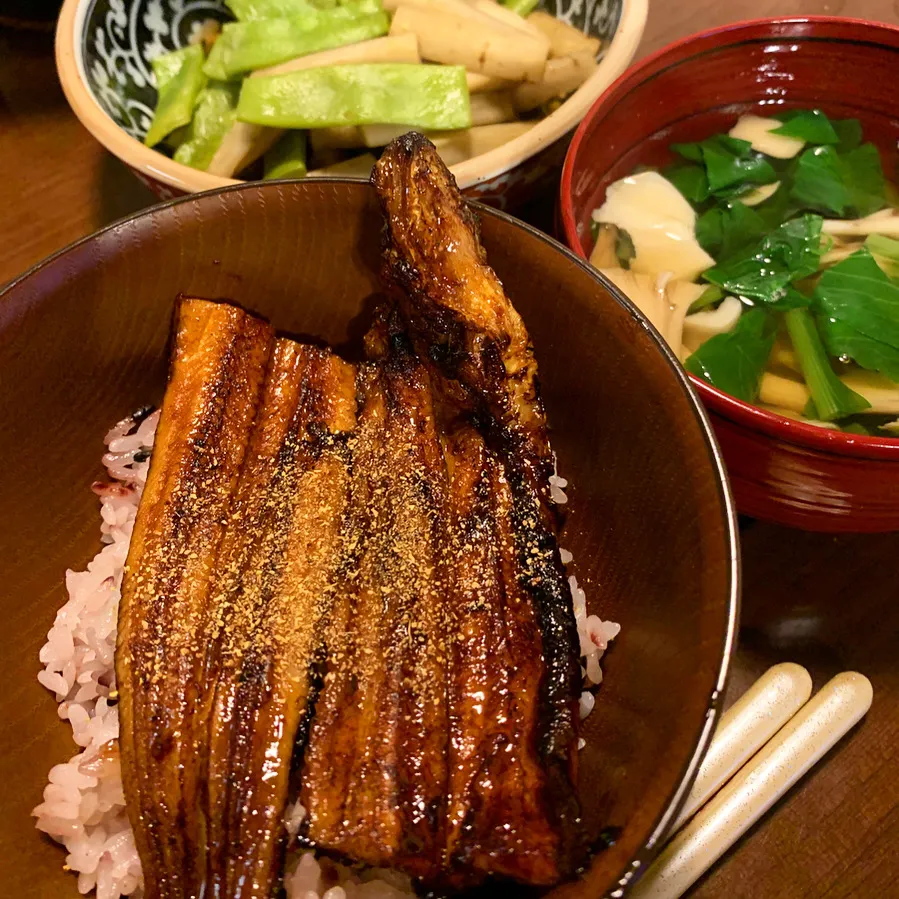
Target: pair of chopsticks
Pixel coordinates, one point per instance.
(765, 743)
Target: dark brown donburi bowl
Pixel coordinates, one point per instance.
(83, 343)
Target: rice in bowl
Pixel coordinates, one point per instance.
(84, 802)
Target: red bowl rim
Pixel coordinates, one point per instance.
(743, 413)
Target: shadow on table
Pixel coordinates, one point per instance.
(826, 601)
(121, 194)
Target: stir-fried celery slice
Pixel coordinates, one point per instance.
(244, 46)
(521, 7)
(213, 118)
(287, 159)
(179, 78)
(250, 10)
(421, 96)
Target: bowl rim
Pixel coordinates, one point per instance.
(714, 702)
(487, 166)
(771, 424)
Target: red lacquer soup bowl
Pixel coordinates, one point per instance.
(781, 470)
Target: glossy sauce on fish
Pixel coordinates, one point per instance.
(344, 585)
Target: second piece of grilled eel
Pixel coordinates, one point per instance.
(483, 370)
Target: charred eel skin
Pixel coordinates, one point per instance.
(484, 373)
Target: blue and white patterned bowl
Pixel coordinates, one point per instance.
(118, 40)
(103, 49)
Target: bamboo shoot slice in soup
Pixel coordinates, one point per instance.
(660, 223)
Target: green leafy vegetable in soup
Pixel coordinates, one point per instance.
(849, 184)
(730, 163)
(791, 244)
(767, 271)
(727, 229)
(858, 308)
(734, 362)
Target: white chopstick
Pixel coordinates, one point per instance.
(788, 755)
(745, 728)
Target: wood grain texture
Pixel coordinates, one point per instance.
(829, 603)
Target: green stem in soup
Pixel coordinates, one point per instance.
(831, 397)
(857, 428)
(709, 297)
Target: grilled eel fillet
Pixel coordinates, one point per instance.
(522, 820)
(374, 776)
(215, 381)
(230, 571)
(276, 583)
(391, 523)
(435, 679)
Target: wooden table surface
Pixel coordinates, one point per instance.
(830, 603)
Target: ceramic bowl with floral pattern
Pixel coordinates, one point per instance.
(104, 48)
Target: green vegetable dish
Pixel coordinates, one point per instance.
(768, 259)
(305, 87)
